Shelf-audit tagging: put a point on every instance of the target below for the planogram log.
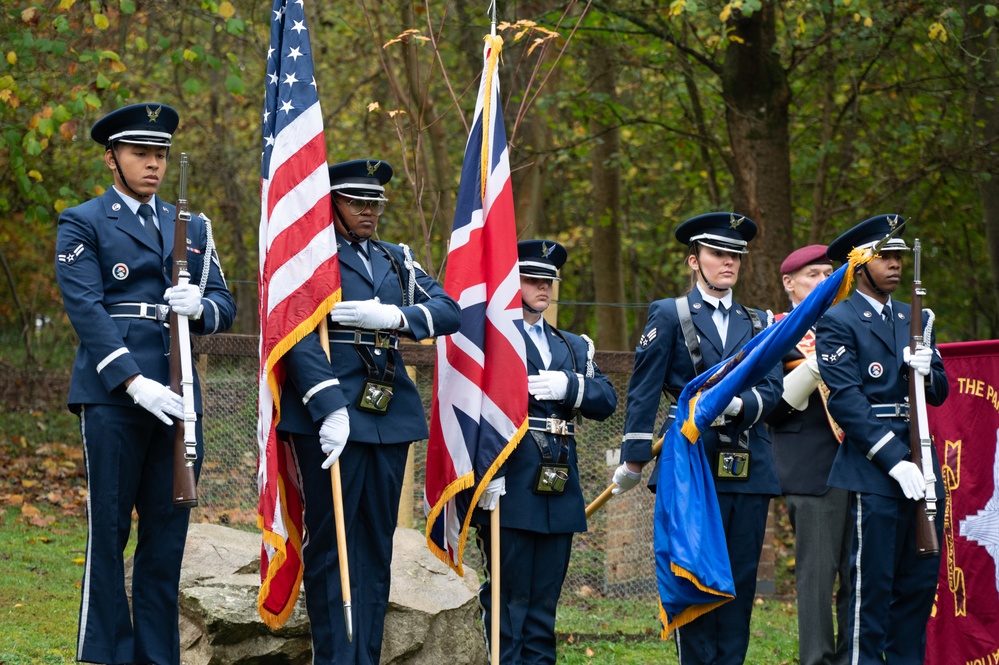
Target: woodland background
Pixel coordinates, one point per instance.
(624, 118)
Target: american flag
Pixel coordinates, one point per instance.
(299, 283)
(480, 387)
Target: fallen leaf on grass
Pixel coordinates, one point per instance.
(42, 521)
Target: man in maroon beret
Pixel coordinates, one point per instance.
(805, 444)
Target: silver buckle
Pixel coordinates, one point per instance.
(383, 340)
(556, 426)
(154, 312)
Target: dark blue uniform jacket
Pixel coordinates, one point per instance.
(316, 386)
(852, 336)
(593, 398)
(662, 364)
(105, 257)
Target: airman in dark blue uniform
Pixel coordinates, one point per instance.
(542, 500)
(360, 407)
(738, 447)
(806, 441)
(863, 351)
(114, 264)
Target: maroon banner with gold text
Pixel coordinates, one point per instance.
(964, 626)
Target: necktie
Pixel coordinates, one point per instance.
(146, 215)
(720, 318)
(886, 314)
(538, 337)
(359, 248)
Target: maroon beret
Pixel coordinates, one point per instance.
(805, 256)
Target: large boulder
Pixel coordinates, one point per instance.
(432, 613)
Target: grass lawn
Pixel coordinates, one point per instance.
(40, 573)
(43, 538)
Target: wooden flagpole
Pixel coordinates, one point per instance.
(341, 536)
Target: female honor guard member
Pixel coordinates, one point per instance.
(863, 350)
(114, 263)
(684, 337)
(360, 407)
(540, 480)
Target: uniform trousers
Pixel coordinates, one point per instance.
(892, 589)
(533, 567)
(129, 461)
(721, 637)
(823, 539)
(371, 482)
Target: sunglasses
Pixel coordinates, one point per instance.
(357, 206)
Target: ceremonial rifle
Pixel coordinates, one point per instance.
(185, 452)
(920, 442)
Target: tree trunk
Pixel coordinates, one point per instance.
(757, 97)
(980, 46)
(605, 248)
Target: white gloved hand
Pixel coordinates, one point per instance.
(734, 407)
(910, 479)
(489, 498)
(920, 360)
(333, 434)
(369, 314)
(185, 300)
(156, 398)
(548, 384)
(625, 479)
(800, 383)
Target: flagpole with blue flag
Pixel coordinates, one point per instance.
(693, 571)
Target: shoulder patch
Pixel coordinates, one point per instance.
(69, 258)
(831, 358)
(647, 338)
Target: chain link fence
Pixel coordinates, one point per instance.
(614, 558)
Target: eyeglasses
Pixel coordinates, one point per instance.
(357, 206)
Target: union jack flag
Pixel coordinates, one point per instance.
(299, 283)
(479, 409)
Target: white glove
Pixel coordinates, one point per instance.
(910, 479)
(800, 383)
(369, 314)
(185, 300)
(920, 360)
(734, 407)
(548, 384)
(156, 398)
(625, 479)
(489, 498)
(333, 435)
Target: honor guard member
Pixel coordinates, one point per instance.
(863, 351)
(684, 337)
(360, 407)
(543, 503)
(806, 440)
(114, 264)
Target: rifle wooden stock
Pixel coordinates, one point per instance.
(185, 491)
(927, 544)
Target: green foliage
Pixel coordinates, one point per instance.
(880, 120)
